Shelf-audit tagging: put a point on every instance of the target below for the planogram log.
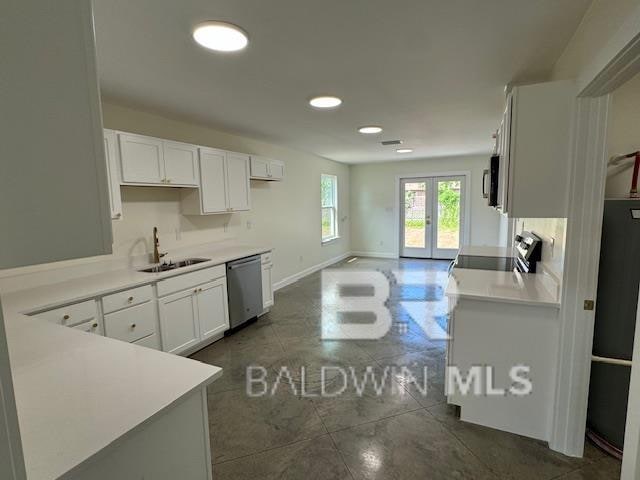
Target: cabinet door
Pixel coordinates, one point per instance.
(212, 181)
(180, 164)
(259, 167)
(276, 170)
(141, 159)
(505, 158)
(267, 285)
(111, 152)
(237, 166)
(179, 321)
(213, 314)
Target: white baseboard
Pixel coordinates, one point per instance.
(374, 254)
(308, 271)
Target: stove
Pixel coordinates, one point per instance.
(474, 262)
(527, 249)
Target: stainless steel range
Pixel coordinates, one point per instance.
(527, 253)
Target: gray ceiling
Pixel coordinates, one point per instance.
(431, 72)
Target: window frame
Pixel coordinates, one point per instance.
(333, 208)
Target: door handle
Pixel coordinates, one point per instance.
(485, 173)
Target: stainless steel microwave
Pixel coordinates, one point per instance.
(490, 181)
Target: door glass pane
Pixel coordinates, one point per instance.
(448, 214)
(414, 214)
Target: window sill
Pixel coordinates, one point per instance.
(328, 241)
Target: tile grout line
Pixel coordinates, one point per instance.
(444, 425)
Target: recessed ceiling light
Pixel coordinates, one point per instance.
(325, 101)
(370, 129)
(220, 36)
(404, 150)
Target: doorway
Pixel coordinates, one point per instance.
(431, 216)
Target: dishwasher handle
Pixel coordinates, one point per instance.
(233, 266)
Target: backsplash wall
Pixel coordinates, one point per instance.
(553, 232)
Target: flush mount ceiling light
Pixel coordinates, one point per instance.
(404, 150)
(325, 101)
(369, 129)
(220, 36)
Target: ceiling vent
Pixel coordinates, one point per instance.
(391, 142)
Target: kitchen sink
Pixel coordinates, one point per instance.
(165, 267)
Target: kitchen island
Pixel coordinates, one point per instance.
(500, 321)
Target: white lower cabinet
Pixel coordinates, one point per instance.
(213, 314)
(131, 324)
(192, 316)
(179, 321)
(267, 282)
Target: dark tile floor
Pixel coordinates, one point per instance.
(399, 434)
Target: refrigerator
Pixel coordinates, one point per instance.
(615, 320)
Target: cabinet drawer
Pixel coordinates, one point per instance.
(188, 280)
(265, 258)
(131, 324)
(128, 298)
(92, 326)
(71, 314)
(152, 341)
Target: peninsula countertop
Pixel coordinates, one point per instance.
(535, 289)
(77, 394)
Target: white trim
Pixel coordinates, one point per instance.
(466, 231)
(584, 225)
(14, 469)
(375, 254)
(308, 271)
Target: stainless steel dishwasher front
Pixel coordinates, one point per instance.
(244, 285)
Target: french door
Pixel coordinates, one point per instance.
(431, 216)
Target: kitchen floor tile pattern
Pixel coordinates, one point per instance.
(404, 433)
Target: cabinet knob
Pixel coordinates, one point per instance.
(95, 325)
(133, 326)
(130, 299)
(118, 215)
(195, 290)
(66, 317)
(168, 180)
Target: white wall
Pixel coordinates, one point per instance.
(374, 202)
(599, 25)
(285, 215)
(553, 232)
(623, 136)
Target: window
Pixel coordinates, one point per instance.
(329, 199)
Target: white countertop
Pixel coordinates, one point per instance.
(486, 251)
(79, 393)
(508, 287)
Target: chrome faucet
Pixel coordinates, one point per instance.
(156, 245)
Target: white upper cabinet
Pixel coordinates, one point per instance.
(152, 161)
(266, 169)
(238, 188)
(534, 143)
(212, 175)
(141, 159)
(224, 184)
(54, 190)
(113, 172)
(180, 163)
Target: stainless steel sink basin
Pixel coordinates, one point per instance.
(165, 267)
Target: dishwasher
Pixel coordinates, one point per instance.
(244, 286)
